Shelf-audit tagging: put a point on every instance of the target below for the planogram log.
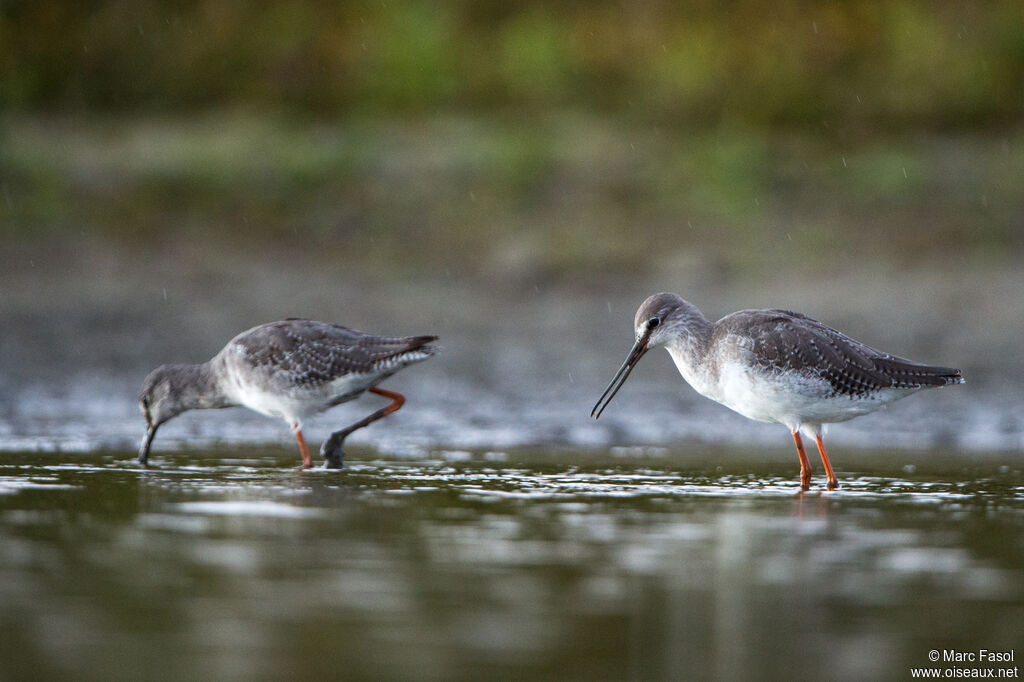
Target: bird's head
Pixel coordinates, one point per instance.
(663, 317)
(659, 319)
(164, 395)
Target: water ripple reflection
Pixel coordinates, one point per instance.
(526, 565)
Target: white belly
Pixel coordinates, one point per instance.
(296, 404)
(784, 398)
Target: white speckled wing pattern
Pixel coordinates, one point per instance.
(784, 342)
(308, 353)
(294, 368)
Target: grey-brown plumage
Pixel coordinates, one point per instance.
(784, 341)
(295, 355)
(290, 369)
(776, 366)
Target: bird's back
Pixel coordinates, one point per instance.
(302, 366)
(788, 343)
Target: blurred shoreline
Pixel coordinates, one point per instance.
(556, 195)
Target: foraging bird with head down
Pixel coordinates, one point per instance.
(291, 370)
(775, 366)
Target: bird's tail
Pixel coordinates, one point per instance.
(423, 344)
(908, 374)
(393, 353)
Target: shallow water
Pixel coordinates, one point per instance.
(629, 564)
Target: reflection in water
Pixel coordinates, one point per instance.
(524, 565)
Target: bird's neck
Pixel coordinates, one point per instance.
(690, 346)
(199, 388)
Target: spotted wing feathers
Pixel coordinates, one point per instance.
(788, 341)
(309, 353)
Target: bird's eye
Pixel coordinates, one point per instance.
(653, 322)
(145, 403)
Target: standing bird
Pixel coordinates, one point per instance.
(290, 369)
(775, 366)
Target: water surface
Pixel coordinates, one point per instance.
(629, 564)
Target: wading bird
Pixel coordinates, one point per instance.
(775, 366)
(290, 369)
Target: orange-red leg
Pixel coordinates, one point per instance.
(833, 483)
(398, 399)
(805, 465)
(307, 461)
(331, 449)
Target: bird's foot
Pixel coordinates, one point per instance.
(331, 451)
(334, 460)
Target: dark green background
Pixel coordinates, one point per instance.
(537, 137)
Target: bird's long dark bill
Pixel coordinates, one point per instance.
(146, 442)
(637, 352)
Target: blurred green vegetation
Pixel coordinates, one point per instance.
(520, 137)
(563, 193)
(852, 63)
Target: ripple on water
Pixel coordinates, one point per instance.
(523, 555)
(488, 484)
(481, 477)
(10, 485)
(262, 508)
